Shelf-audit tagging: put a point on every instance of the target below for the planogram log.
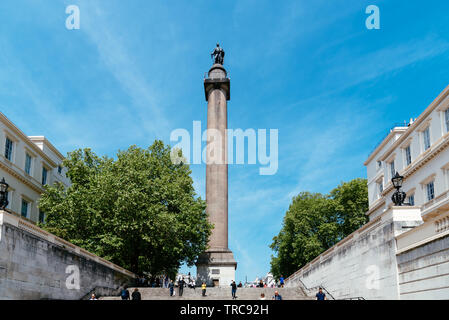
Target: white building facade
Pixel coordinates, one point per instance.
(420, 153)
(27, 164)
(403, 251)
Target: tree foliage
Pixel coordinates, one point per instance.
(315, 222)
(139, 210)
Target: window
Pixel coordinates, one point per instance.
(379, 164)
(446, 116)
(408, 155)
(381, 187)
(28, 164)
(25, 208)
(426, 137)
(7, 198)
(9, 149)
(392, 171)
(430, 191)
(41, 216)
(411, 199)
(59, 169)
(44, 176)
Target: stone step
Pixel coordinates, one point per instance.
(217, 294)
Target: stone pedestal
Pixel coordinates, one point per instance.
(217, 265)
(216, 268)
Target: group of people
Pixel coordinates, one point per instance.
(125, 295)
(134, 296)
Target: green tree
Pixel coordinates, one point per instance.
(139, 211)
(314, 222)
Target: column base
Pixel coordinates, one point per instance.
(216, 267)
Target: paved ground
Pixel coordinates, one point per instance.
(217, 294)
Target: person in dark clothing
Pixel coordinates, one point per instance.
(125, 294)
(181, 284)
(136, 295)
(240, 284)
(276, 296)
(171, 286)
(233, 289)
(321, 295)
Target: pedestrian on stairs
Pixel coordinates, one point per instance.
(136, 295)
(321, 295)
(276, 296)
(203, 288)
(171, 286)
(181, 284)
(233, 289)
(125, 293)
(281, 280)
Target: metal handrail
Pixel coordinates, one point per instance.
(316, 288)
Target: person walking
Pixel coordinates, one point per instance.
(321, 295)
(262, 296)
(125, 293)
(171, 286)
(233, 289)
(181, 284)
(136, 295)
(203, 288)
(276, 296)
(281, 280)
(93, 297)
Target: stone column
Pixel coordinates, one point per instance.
(217, 265)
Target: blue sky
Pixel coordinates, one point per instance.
(311, 69)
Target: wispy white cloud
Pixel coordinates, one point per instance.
(109, 38)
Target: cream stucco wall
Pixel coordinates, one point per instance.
(24, 186)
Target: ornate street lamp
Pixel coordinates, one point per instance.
(3, 194)
(399, 196)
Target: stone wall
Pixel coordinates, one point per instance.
(33, 265)
(364, 263)
(424, 271)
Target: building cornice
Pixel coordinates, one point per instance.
(11, 126)
(28, 182)
(48, 144)
(434, 105)
(383, 143)
(440, 145)
(376, 205)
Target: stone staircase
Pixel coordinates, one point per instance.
(218, 294)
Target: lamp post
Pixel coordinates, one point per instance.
(3, 194)
(399, 196)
